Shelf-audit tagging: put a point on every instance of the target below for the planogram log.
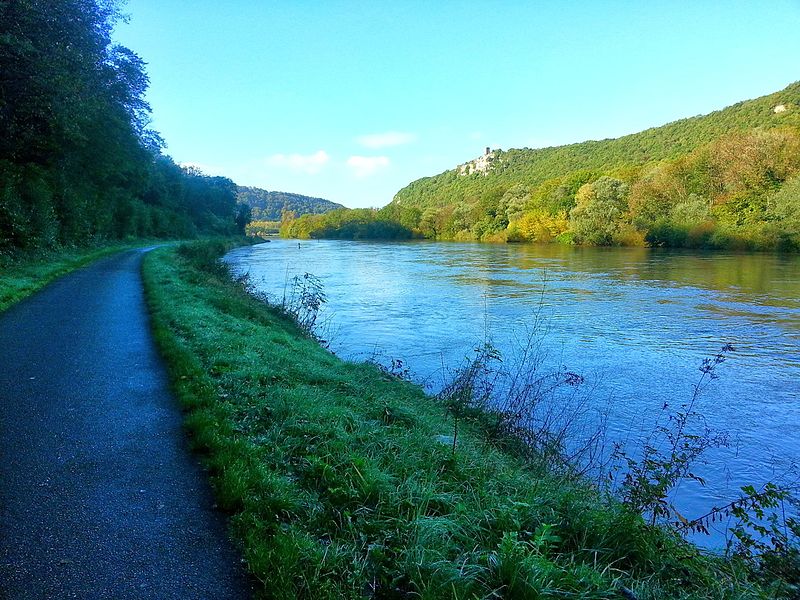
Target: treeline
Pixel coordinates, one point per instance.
(270, 206)
(740, 191)
(345, 224)
(725, 180)
(263, 228)
(78, 161)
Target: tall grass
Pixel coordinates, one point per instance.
(342, 482)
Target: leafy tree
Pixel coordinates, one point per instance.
(514, 201)
(268, 206)
(429, 223)
(653, 196)
(784, 212)
(734, 160)
(538, 226)
(78, 162)
(599, 210)
(355, 224)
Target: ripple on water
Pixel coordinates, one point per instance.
(636, 322)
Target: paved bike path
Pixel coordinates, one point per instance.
(99, 495)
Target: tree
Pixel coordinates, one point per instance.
(784, 210)
(429, 223)
(78, 161)
(598, 212)
(514, 201)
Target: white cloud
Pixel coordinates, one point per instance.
(364, 166)
(300, 163)
(386, 139)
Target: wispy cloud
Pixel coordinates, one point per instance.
(300, 163)
(386, 139)
(364, 166)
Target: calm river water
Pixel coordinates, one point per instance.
(635, 322)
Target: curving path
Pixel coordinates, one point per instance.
(99, 495)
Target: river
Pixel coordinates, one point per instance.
(636, 323)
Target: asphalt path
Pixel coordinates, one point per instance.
(99, 495)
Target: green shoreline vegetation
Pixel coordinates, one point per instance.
(339, 484)
(726, 180)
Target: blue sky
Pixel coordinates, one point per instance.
(351, 101)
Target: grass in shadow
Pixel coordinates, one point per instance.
(25, 275)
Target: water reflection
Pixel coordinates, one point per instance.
(636, 322)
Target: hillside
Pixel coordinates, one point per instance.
(726, 179)
(532, 167)
(269, 206)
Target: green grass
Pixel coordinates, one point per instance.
(337, 486)
(24, 276)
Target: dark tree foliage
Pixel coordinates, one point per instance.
(270, 206)
(78, 162)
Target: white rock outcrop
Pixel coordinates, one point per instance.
(482, 164)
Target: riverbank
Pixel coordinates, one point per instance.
(616, 316)
(342, 480)
(26, 275)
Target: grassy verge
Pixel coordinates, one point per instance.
(340, 486)
(22, 277)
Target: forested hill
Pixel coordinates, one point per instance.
(269, 206)
(534, 166)
(78, 161)
(724, 179)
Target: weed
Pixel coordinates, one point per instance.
(395, 368)
(543, 417)
(669, 454)
(339, 488)
(470, 390)
(305, 299)
(763, 535)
